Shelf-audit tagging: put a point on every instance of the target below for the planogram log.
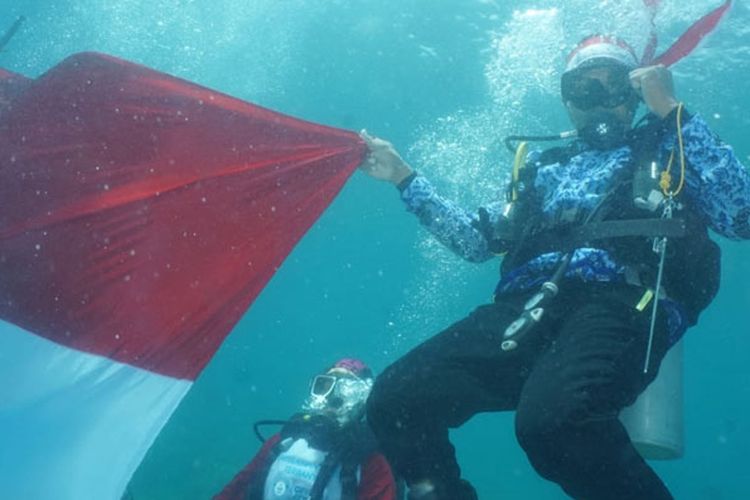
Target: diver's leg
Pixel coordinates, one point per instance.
(441, 384)
(567, 419)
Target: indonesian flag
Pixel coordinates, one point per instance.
(140, 216)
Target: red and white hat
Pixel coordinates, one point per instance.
(601, 49)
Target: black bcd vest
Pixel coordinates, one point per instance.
(692, 263)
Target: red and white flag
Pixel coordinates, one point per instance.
(140, 216)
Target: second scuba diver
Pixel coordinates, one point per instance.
(326, 452)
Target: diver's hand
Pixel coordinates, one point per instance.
(384, 162)
(654, 84)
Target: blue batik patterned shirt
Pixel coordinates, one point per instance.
(716, 184)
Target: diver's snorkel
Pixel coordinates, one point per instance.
(8, 35)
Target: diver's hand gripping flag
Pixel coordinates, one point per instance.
(140, 216)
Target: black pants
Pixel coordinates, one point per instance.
(567, 381)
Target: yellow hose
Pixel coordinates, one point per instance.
(518, 162)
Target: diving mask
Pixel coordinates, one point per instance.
(342, 396)
(588, 93)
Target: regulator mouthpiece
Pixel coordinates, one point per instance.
(604, 131)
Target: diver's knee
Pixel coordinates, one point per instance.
(543, 438)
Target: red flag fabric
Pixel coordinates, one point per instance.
(650, 49)
(6, 75)
(11, 85)
(142, 214)
(692, 37)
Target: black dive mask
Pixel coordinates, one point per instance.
(604, 131)
(588, 93)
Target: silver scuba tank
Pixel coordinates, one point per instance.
(655, 421)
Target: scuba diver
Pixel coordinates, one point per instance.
(326, 452)
(606, 263)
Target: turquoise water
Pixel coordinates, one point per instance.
(443, 80)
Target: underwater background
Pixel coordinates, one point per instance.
(444, 80)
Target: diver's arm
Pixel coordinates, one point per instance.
(715, 179)
(453, 226)
(461, 232)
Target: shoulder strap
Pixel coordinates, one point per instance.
(644, 139)
(325, 474)
(570, 238)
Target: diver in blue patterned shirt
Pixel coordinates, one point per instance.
(606, 262)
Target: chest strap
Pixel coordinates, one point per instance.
(566, 238)
(647, 228)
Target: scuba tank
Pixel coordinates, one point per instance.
(654, 422)
(315, 457)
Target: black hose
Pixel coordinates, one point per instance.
(509, 141)
(261, 423)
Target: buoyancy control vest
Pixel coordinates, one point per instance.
(622, 228)
(292, 474)
(315, 459)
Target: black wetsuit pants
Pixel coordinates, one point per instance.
(567, 381)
